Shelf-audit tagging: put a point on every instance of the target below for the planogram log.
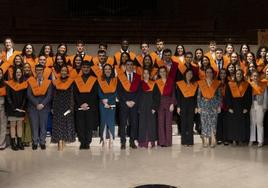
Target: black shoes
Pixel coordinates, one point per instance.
(123, 146)
(43, 146)
(84, 146)
(34, 146)
(132, 144)
(14, 146)
(20, 144)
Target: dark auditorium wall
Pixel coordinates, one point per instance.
(177, 20)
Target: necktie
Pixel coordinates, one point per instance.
(129, 77)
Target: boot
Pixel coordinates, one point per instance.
(13, 144)
(20, 144)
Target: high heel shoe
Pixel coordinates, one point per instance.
(206, 142)
(60, 146)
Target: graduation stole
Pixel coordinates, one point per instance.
(31, 61)
(17, 86)
(140, 59)
(149, 86)
(108, 88)
(60, 85)
(258, 89)
(85, 87)
(260, 64)
(201, 74)
(3, 91)
(238, 91)
(177, 59)
(226, 60)
(74, 74)
(39, 90)
(208, 92)
(182, 66)
(127, 85)
(96, 69)
(49, 62)
(118, 56)
(46, 74)
(188, 90)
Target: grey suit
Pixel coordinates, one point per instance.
(39, 118)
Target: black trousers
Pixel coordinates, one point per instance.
(187, 124)
(128, 117)
(222, 131)
(85, 122)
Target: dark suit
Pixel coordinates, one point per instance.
(128, 115)
(39, 118)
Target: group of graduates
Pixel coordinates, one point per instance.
(222, 92)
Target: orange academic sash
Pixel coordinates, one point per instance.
(39, 90)
(188, 90)
(3, 91)
(124, 81)
(161, 85)
(117, 56)
(108, 88)
(17, 86)
(258, 89)
(63, 85)
(208, 92)
(85, 87)
(238, 91)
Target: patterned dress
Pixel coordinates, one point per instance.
(63, 126)
(208, 113)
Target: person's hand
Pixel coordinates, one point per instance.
(106, 105)
(171, 108)
(219, 110)
(199, 110)
(196, 110)
(153, 111)
(104, 101)
(178, 110)
(245, 111)
(231, 111)
(132, 103)
(39, 106)
(84, 106)
(128, 103)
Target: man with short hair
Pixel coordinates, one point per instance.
(39, 94)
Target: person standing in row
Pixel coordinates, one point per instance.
(3, 118)
(238, 102)
(128, 97)
(258, 108)
(39, 94)
(208, 101)
(63, 129)
(86, 105)
(187, 106)
(16, 106)
(107, 103)
(149, 99)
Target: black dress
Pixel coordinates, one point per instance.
(238, 126)
(63, 126)
(16, 99)
(187, 115)
(148, 101)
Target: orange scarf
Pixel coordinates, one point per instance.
(60, 85)
(108, 88)
(85, 87)
(208, 92)
(258, 89)
(39, 90)
(3, 91)
(188, 90)
(17, 86)
(238, 91)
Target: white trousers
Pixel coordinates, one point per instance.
(256, 121)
